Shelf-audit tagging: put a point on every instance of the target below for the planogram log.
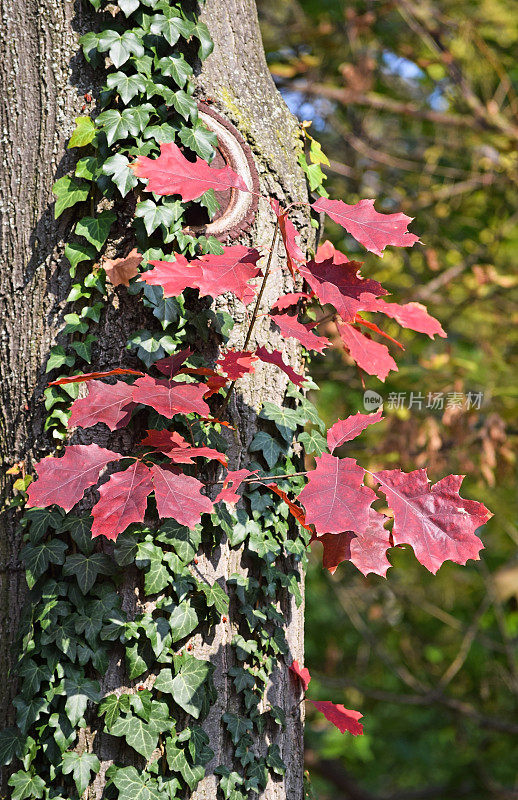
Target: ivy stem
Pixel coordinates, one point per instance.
(255, 313)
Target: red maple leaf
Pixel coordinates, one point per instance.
(368, 552)
(276, 358)
(179, 497)
(340, 284)
(174, 446)
(64, 480)
(108, 403)
(436, 521)
(290, 299)
(342, 718)
(171, 365)
(373, 230)
(346, 429)
(294, 509)
(289, 234)
(230, 272)
(301, 673)
(335, 498)
(123, 501)
(409, 315)
(170, 398)
(373, 357)
(90, 376)
(290, 327)
(173, 276)
(236, 363)
(120, 270)
(231, 484)
(172, 173)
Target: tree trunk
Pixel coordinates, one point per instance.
(43, 80)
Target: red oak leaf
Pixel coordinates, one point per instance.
(290, 327)
(236, 363)
(123, 501)
(170, 366)
(172, 173)
(372, 327)
(64, 480)
(373, 357)
(436, 521)
(301, 673)
(346, 429)
(174, 446)
(120, 270)
(214, 384)
(90, 376)
(179, 497)
(335, 498)
(276, 358)
(173, 276)
(373, 230)
(230, 272)
(368, 553)
(289, 234)
(342, 718)
(170, 398)
(108, 403)
(295, 510)
(290, 299)
(231, 484)
(164, 440)
(328, 250)
(409, 315)
(339, 284)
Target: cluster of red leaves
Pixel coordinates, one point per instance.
(335, 505)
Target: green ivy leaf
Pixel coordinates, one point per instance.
(84, 348)
(119, 47)
(118, 167)
(128, 6)
(206, 44)
(183, 621)
(127, 86)
(96, 229)
(26, 785)
(200, 140)
(81, 766)
(112, 707)
(187, 687)
(83, 133)
(79, 690)
(86, 568)
(28, 711)
(38, 557)
(268, 446)
(140, 735)
(184, 541)
(136, 663)
(185, 105)
(274, 760)
(313, 442)
(176, 67)
(11, 745)
(172, 27)
(133, 785)
(150, 347)
(68, 192)
(76, 253)
(153, 215)
(33, 675)
(237, 726)
(178, 762)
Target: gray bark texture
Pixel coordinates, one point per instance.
(43, 81)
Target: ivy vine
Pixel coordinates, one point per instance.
(75, 626)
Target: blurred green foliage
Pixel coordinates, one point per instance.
(416, 104)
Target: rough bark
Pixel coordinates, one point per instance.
(40, 95)
(43, 80)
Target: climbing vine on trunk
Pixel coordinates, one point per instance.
(170, 494)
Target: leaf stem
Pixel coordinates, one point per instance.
(255, 313)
